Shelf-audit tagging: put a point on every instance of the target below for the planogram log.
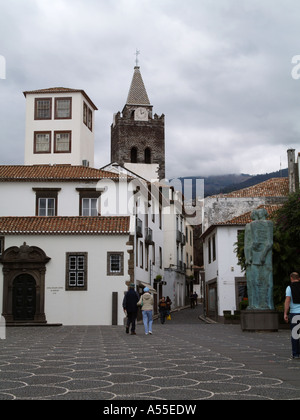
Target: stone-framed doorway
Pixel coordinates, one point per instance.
(24, 271)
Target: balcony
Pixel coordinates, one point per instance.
(180, 237)
(139, 228)
(148, 236)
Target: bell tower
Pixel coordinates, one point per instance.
(138, 137)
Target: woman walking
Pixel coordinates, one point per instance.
(146, 302)
(163, 309)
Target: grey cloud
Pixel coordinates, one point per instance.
(219, 71)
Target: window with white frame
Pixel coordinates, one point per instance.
(46, 207)
(89, 203)
(76, 271)
(89, 207)
(46, 201)
(115, 262)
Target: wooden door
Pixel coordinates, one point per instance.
(24, 297)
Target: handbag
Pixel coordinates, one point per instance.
(168, 318)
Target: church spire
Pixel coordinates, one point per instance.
(137, 93)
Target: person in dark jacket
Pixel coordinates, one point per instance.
(163, 309)
(130, 301)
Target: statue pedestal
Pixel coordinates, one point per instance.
(258, 320)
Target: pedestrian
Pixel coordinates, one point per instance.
(146, 303)
(169, 303)
(163, 309)
(292, 305)
(195, 295)
(130, 301)
(192, 300)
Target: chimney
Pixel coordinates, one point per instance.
(292, 170)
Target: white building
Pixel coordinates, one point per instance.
(59, 127)
(81, 236)
(225, 282)
(61, 261)
(178, 250)
(73, 237)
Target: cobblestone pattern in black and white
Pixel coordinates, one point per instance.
(184, 359)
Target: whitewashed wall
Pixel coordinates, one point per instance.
(91, 307)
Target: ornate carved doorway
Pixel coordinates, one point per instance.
(24, 271)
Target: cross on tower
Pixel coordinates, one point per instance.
(137, 53)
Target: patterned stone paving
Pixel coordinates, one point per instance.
(184, 359)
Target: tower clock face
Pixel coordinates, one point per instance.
(141, 114)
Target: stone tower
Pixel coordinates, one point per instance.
(138, 137)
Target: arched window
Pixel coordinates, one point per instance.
(147, 155)
(133, 155)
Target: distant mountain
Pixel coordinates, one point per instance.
(191, 186)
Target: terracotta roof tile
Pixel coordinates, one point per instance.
(52, 173)
(64, 225)
(274, 187)
(55, 90)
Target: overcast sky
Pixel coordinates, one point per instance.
(220, 71)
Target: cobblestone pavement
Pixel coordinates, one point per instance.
(184, 359)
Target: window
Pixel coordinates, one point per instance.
(147, 155)
(87, 116)
(62, 142)
(89, 207)
(141, 255)
(76, 271)
(214, 247)
(1, 245)
(115, 262)
(89, 204)
(46, 207)
(133, 155)
(90, 119)
(63, 108)
(85, 108)
(46, 201)
(43, 109)
(42, 142)
(160, 257)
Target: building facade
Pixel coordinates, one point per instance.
(59, 127)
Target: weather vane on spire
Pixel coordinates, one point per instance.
(137, 53)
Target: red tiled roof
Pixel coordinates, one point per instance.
(52, 173)
(37, 225)
(55, 90)
(274, 187)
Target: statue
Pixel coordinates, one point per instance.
(259, 267)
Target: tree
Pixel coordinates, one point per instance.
(286, 248)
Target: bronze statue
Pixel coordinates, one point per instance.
(258, 253)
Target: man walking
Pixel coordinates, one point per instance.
(292, 305)
(130, 301)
